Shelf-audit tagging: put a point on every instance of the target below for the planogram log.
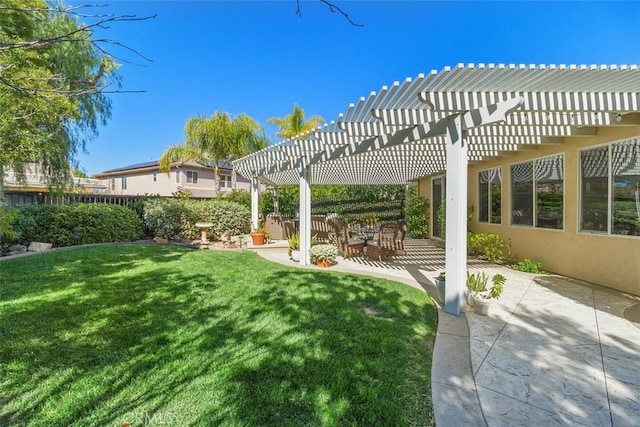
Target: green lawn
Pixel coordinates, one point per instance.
(164, 335)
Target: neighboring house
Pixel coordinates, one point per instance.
(17, 192)
(146, 178)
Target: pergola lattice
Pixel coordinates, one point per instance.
(440, 122)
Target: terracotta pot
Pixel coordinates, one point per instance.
(323, 263)
(258, 238)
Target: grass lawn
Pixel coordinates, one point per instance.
(164, 335)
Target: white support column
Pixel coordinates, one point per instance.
(255, 193)
(456, 217)
(276, 200)
(305, 214)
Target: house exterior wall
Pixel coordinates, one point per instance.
(140, 182)
(605, 259)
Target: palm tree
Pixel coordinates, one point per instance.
(294, 124)
(215, 139)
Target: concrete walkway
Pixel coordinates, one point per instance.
(553, 350)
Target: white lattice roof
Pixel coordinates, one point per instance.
(559, 101)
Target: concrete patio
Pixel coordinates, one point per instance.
(553, 350)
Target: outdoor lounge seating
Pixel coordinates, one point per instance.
(322, 229)
(387, 242)
(347, 245)
(279, 228)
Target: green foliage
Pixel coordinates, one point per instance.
(529, 266)
(441, 218)
(383, 201)
(323, 252)
(416, 212)
(215, 139)
(177, 218)
(294, 124)
(477, 284)
(294, 242)
(485, 245)
(81, 224)
(153, 335)
(242, 197)
(51, 91)
(8, 218)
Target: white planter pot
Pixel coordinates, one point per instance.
(481, 305)
(295, 256)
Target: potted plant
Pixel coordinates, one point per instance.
(259, 234)
(440, 283)
(294, 245)
(323, 255)
(480, 294)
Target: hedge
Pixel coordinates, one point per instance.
(80, 224)
(176, 218)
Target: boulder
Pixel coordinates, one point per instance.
(17, 249)
(39, 247)
(160, 240)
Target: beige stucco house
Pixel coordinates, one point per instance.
(146, 178)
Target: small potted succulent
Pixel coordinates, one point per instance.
(323, 255)
(294, 246)
(480, 294)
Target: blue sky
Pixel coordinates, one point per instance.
(259, 57)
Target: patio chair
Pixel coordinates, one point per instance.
(385, 245)
(402, 233)
(347, 245)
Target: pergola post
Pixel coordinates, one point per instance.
(456, 218)
(255, 193)
(305, 214)
(276, 200)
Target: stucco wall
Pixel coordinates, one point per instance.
(165, 184)
(608, 260)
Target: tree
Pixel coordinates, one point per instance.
(294, 124)
(54, 77)
(215, 139)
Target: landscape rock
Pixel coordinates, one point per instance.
(39, 247)
(17, 249)
(160, 240)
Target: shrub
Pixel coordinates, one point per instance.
(66, 225)
(324, 252)
(417, 215)
(177, 218)
(8, 219)
(529, 266)
(486, 245)
(242, 197)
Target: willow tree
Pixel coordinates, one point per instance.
(54, 76)
(294, 124)
(216, 139)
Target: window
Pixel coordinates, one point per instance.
(537, 193)
(113, 184)
(225, 181)
(489, 191)
(178, 176)
(155, 177)
(610, 188)
(124, 182)
(192, 177)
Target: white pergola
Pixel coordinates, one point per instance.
(441, 122)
